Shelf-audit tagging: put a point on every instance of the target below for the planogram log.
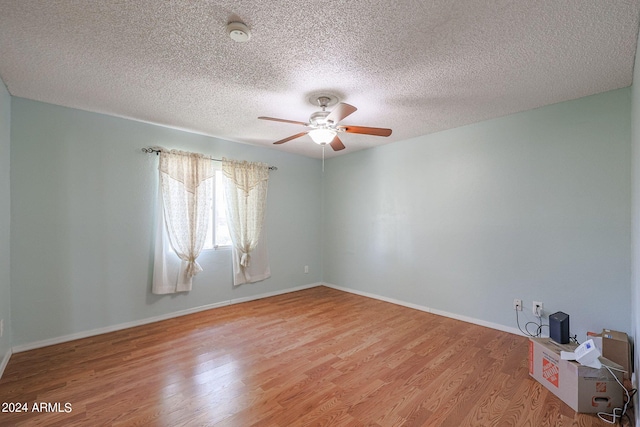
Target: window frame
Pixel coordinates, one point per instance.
(213, 231)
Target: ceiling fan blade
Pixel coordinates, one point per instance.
(365, 130)
(283, 120)
(336, 144)
(297, 135)
(340, 111)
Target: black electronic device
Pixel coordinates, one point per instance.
(559, 327)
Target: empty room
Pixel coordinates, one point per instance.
(319, 213)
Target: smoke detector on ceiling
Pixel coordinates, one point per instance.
(238, 32)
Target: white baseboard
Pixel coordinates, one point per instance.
(5, 361)
(99, 331)
(467, 319)
(118, 327)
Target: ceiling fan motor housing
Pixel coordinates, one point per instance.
(319, 119)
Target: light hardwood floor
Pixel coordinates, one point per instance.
(313, 357)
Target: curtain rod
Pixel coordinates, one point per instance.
(150, 150)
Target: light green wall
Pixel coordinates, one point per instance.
(5, 221)
(535, 206)
(83, 199)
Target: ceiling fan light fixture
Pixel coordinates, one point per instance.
(322, 136)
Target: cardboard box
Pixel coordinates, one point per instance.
(584, 389)
(616, 347)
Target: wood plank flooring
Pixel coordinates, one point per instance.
(314, 357)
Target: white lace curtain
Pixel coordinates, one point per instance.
(246, 193)
(186, 191)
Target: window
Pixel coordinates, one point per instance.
(218, 232)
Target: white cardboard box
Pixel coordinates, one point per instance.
(584, 389)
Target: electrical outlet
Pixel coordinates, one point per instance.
(306, 269)
(537, 308)
(517, 304)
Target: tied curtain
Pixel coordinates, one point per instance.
(184, 208)
(245, 185)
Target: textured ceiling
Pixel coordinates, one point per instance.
(414, 66)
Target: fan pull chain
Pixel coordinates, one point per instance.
(323, 158)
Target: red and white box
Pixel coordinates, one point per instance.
(584, 389)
